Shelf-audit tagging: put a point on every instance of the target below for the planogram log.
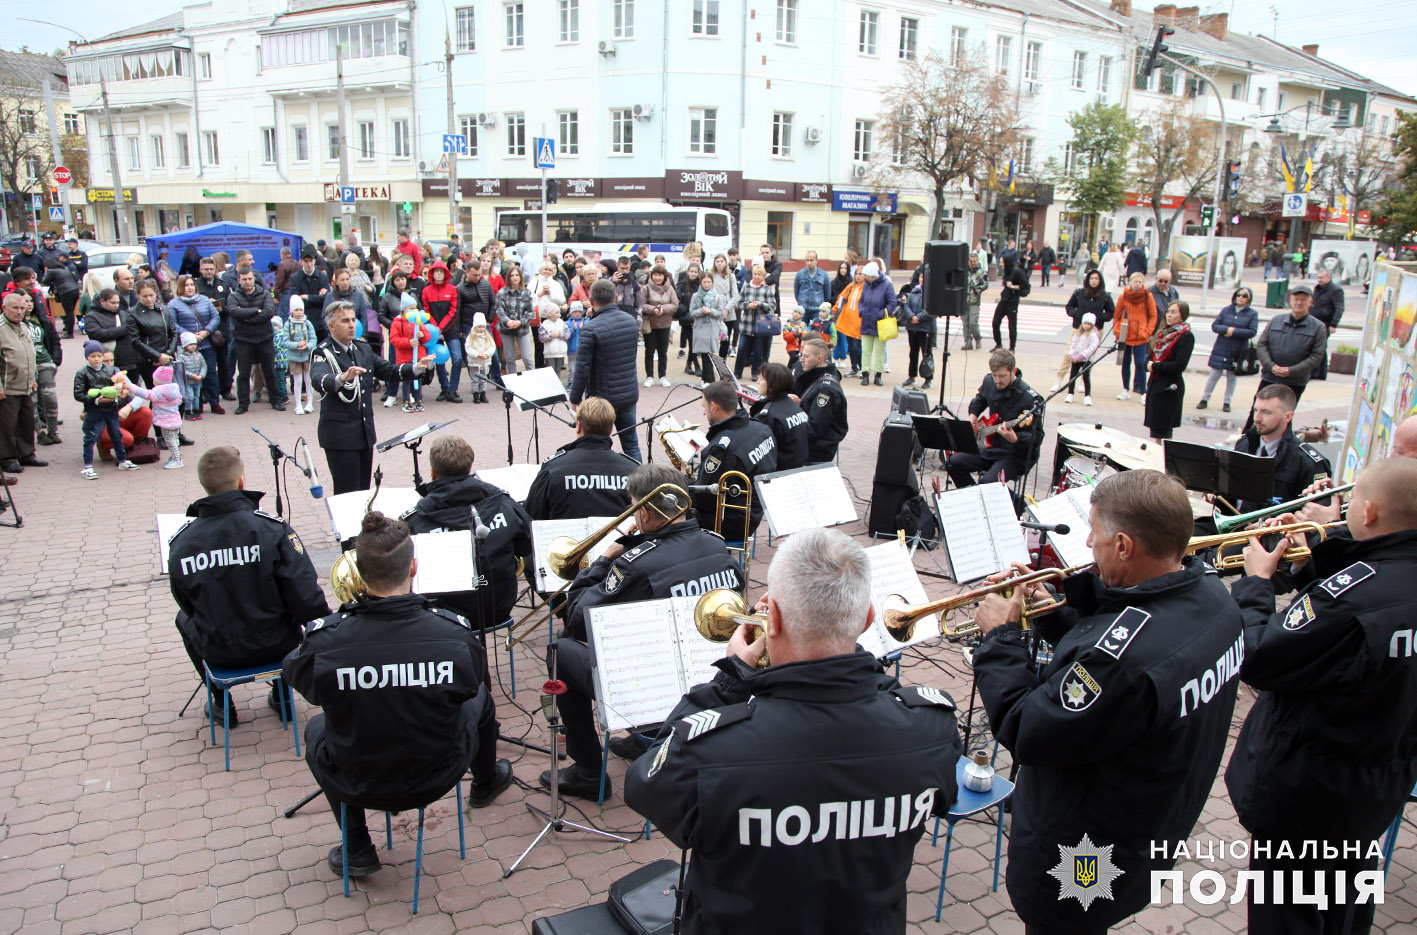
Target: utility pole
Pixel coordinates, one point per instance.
(57, 153)
(343, 135)
(452, 124)
(120, 204)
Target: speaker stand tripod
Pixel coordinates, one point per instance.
(940, 406)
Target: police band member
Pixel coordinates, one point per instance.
(585, 477)
(241, 578)
(736, 443)
(656, 561)
(802, 788)
(1297, 464)
(406, 710)
(1328, 753)
(781, 413)
(1121, 734)
(818, 391)
(342, 371)
(455, 500)
(1010, 451)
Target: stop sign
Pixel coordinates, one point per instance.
(62, 175)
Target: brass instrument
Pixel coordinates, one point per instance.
(735, 484)
(565, 556)
(1228, 524)
(900, 618)
(674, 459)
(1239, 539)
(720, 612)
(345, 579)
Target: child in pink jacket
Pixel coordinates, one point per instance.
(166, 399)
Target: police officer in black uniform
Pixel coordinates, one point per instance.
(736, 443)
(406, 709)
(1296, 464)
(662, 559)
(1009, 452)
(781, 413)
(818, 391)
(801, 788)
(342, 371)
(585, 477)
(240, 577)
(1121, 734)
(1328, 753)
(449, 502)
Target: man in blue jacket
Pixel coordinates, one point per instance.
(605, 362)
(812, 286)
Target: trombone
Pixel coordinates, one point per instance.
(900, 618)
(1224, 542)
(720, 611)
(1228, 524)
(565, 556)
(735, 484)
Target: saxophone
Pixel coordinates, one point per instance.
(674, 459)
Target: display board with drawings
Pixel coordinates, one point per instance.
(804, 498)
(545, 530)
(1071, 508)
(347, 509)
(1384, 386)
(981, 531)
(515, 479)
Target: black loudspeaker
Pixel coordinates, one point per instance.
(946, 273)
(895, 452)
(908, 399)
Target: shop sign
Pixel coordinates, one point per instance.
(871, 202)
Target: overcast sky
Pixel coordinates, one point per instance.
(1373, 39)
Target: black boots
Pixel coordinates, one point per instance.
(865, 379)
(878, 380)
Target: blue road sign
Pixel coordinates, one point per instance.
(455, 143)
(346, 194)
(56, 214)
(544, 152)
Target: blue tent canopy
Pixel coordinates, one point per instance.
(226, 237)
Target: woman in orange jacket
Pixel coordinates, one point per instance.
(1136, 311)
(848, 319)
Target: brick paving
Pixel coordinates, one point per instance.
(119, 817)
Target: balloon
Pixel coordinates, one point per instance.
(358, 328)
(434, 333)
(416, 317)
(440, 354)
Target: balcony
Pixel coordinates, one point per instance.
(385, 74)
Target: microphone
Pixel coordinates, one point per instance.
(317, 490)
(479, 528)
(1061, 529)
(1122, 333)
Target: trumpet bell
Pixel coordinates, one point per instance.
(898, 624)
(562, 559)
(345, 579)
(716, 612)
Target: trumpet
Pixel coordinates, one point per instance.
(345, 579)
(674, 458)
(1223, 543)
(1228, 524)
(900, 618)
(719, 612)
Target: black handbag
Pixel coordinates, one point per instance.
(1247, 361)
(643, 901)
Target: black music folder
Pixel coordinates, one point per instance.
(938, 432)
(1231, 474)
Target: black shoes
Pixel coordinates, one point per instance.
(231, 719)
(441, 397)
(12, 467)
(578, 781)
(278, 407)
(1202, 404)
(184, 441)
(481, 794)
(1225, 408)
(361, 863)
(242, 409)
(865, 379)
(926, 385)
(878, 380)
(229, 397)
(453, 397)
(628, 747)
(910, 381)
(32, 461)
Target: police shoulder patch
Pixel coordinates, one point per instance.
(1300, 614)
(1120, 632)
(639, 550)
(821, 400)
(712, 463)
(922, 697)
(700, 723)
(554, 456)
(407, 513)
(296, 543)
(1079, 689)
(613, 579)
(1314, 456)
(1347, 578)
(270, 516)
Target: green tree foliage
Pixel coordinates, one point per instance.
(1102, 138)
(1396, 215)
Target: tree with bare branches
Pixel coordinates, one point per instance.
(1175, 155)
(24, 145)
(1359, 169)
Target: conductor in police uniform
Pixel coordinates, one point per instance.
(241, 578)
(660, 559)
(406, 710)
(342, 371)
(736, 443)
(1120, 736)
(587, 476)
(803, 788)
(1328, 753)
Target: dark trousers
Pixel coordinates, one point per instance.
(1045, 271)
(391, 387)
(571, 659)
(919, 349)
(349, 470)
(753, 350)
(1080, 366)
(263, 355)
(195, 654)
(17, 426)
(1292, 918)
(1002, 311)
(853, 350)
(625, 428)
(95, 421)
(211, 384)
(225, 372)
(70, 302)
(656, 342)
(1266, 381)
(705, 365)
(962, 468)
(732, 339)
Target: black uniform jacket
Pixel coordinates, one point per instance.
(242, 579)
(1119, 738)
(392, 674)
(447, 505)
(825, 405)
(347, 409)
(1008, 403)
(584, 478)
(1329, 750)
(1296, 465)
(678, 560)
(736, 444)
(789, 429)
(817, 788)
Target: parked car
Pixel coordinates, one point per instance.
(104, 259)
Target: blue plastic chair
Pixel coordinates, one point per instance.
(389, 834)
(971, 803)
(1390, 839)
(218, 677)
(511, 651)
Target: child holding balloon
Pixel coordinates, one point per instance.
(406, 333)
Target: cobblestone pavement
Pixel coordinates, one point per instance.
(119, 817)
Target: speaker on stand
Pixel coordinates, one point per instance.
(946, 277)
(894, 482)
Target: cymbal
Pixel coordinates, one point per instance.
(1137, 456)
(1094, 435)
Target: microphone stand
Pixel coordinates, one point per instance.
(277, 456)
(649, 422)
(508, 395)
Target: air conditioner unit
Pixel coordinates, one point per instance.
(814, 134)
(643, 111)
(607, 47)
(1034, 88)
(422, 166)
(1106, 224)
(859, 171)
(486, 119)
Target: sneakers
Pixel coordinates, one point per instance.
(1068, 398)
(649, 381)
(1087, 400)
(194, 417)
(1225, 408)
(172, 464)
(926, 384)
(299, 409)
(418, 407)
(681, 353)
(482, 793)
(127, 466)
(628, 747)
(45, 438)
(578, 781)
(408, 407)
(1056, 387)
(663, 381)
(909, 381)
(388, 402)
(1124, 395)
(88, 473)
(361, 863)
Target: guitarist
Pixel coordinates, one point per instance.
(1008, 450)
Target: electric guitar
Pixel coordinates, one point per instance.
(991, 425)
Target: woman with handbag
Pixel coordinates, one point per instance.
(757, 322)
(1237, 324)
(1169, 351)
(848, 319)
(878, 324)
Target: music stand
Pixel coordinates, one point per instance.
(534, 390)
(9, 503)
(724, 372)
(1229, 474)
(411, 440)
(942, 434)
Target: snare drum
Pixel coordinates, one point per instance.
(1082, 471)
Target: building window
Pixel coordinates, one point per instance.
(909, 35)
(624, 19)
(213, 151)
(861, 144)
(782, 135)
(1069, 158)
(135, 152)
(467, 126)
(268, 146)
(902, 128)
(1003, 54)
(204, 66)
(28, 123)
(366, 140)
(1236, 91)
(332, 142)
(622, 131)
(516, 134)
(300, 137)
(399, 131)
(71, 124)
(1281, 101)
(570, 20)
(1259, 97)
(703, 130)
(704, 21)
(159, 149)
(1079, 69)
(780, 232)
(466, 20)
(1032, 57)
(568, 125)
(1025, 154)
(1104, 74)
(34, 168)
(179, 146)
(959, 37)
(786, 20)
(1383, 126)
(866, 32)
(516, 25)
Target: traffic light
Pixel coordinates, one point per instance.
(1232, 180)
(553, 191)
(1208, 216)
(1158, 49)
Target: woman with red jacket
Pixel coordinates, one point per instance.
(402, 335)
(440, 301)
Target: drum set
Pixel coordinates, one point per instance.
(1087, 452)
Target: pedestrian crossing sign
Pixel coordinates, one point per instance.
(545, 152)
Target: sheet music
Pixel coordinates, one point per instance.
(696, 653)
(540, 386)
(515, 479)
(445, 562)
(893, 572)
(544, 530)
(637, 672)
(1073, 508)
(805, 499)
(982, 534)
(168, 525)
(347, 509)
(686, 445)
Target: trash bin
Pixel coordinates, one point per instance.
(1278, 294)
